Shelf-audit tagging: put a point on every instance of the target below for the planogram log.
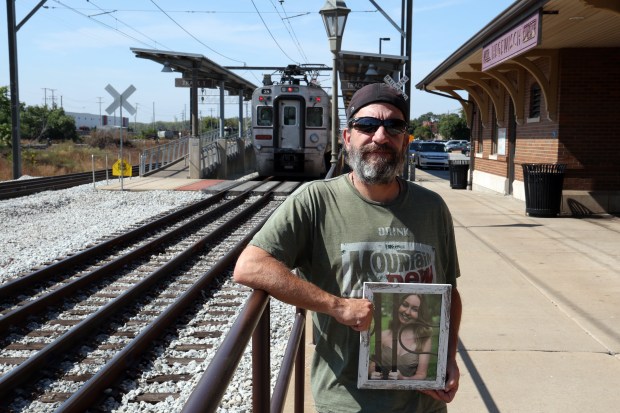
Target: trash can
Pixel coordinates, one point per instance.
(543, 188)
(458, 173)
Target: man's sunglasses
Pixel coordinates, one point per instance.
(370, 125)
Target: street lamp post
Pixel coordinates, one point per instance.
(381, 39)
(334, 14)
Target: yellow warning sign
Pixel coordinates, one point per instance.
(121, 167)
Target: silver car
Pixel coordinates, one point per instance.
(432, 155)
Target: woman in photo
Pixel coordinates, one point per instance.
(412, 333)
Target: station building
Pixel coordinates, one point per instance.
(540, 84)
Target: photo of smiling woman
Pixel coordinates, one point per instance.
(406, 345)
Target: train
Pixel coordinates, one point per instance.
(291, 126)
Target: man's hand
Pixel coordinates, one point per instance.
(452, 384)
(354, 312)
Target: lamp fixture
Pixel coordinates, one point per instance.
(371, 71)
(334, 14)
(381, 39)
(166, 68)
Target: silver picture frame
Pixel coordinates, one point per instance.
(406, 346)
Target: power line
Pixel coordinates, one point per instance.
(291, 32)
(102, 23)
(270, 34)
(123, 23)
(192, 36)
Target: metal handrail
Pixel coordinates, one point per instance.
(253, 321)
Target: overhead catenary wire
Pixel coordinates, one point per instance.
(291, 31)
(194, 37)
(108, 12)
(271, 34)
(102, 23)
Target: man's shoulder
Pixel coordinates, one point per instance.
(420, 192)
(320, 186)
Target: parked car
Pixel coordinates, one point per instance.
(456, 145)
(432, 155)
(413, 148)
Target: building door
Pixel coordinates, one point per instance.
(512, 146)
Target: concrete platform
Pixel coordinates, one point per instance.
(153, 183)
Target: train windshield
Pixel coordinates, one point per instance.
(314, 117)
(264, 116)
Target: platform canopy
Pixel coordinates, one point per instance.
(356, 69)
(206, 71)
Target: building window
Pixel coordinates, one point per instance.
(535, 95)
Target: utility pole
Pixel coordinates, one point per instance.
(100, 119)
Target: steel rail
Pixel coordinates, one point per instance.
(94, 388)
(18, 285)
(41, 303)
(24, 187)
(32, 367)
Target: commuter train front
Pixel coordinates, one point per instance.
(291, 130)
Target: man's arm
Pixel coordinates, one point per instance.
(257, 269)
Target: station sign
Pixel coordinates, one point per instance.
(183, 82)
(521, 38)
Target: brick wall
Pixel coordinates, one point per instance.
(586, 134)
(590, 118)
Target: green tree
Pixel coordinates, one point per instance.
(41, 123)
(453, 126)
(423, 132)
(5, 117)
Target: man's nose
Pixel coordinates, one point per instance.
(381, 135)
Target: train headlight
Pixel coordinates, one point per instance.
(314, 138)
(320, 148)
(258, 147)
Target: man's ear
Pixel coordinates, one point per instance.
(346, 136)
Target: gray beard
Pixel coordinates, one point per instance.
(381, 171)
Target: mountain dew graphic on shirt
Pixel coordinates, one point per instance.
(402, 262)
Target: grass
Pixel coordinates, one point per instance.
(68, 157)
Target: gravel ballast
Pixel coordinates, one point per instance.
(40, 228)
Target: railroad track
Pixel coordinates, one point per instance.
(22, 187)
(133, 319)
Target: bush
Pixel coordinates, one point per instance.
(107, 137)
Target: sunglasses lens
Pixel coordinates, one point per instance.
(367, 125)
(370, 125)
(395, 126)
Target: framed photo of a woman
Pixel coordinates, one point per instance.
(406, 346)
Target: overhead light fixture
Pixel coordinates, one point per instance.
(371, 71)
(166, 68)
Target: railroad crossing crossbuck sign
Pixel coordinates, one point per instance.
(120, 100)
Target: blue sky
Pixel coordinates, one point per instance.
(72, 49)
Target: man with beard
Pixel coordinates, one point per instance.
(329, 237)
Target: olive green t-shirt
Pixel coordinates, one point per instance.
(337, 240)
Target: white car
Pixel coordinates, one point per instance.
(432, 155)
